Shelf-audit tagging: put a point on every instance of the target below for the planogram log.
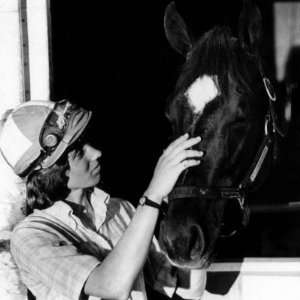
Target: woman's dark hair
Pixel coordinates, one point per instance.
(46, 186)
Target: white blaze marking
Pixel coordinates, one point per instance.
(202, 91)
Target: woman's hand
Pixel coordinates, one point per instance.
(176, 158)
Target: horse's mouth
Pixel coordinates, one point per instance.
(186, 251)
(197, 263)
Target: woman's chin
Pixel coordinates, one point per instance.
(83, 185)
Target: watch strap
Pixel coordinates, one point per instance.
(149, 202)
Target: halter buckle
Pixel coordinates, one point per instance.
(269, 89)
(234, 194)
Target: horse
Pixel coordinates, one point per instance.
(224, 95)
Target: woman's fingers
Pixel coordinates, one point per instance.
(176, 158)
(187, 143)
(188, 163)
(175, 143)
(183, 142)
(187, 154)
(181, 147)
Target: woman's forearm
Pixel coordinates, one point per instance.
(114, 277)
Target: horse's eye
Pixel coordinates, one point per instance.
(238, 123)
(240, 120)
(239, 90)
(236, 132)
(78, 153)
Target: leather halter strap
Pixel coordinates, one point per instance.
(270, 130)
(208, 193)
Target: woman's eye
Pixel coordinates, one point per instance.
(78, 153)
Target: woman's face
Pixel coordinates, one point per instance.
(84, 169)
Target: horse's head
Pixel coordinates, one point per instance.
(222, 95)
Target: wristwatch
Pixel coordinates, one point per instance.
(146, 201)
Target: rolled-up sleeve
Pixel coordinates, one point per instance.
(45, 259)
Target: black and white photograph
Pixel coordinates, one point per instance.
(149, 150)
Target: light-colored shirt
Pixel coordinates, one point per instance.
(56, 252)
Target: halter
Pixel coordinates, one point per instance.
(238, 193)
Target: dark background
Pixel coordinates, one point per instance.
(113, 57)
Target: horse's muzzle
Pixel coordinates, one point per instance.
(184, 246)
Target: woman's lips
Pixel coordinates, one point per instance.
(96, 170)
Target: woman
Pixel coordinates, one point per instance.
(78, 241)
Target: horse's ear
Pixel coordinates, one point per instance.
(250, 26)
(176, 30)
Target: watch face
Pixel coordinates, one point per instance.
(142, 201)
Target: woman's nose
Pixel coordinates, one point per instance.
(91, 153)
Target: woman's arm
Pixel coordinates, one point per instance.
(114, 277)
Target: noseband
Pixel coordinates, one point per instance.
(238, 193)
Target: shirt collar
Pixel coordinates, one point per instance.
(64, 210)
(99, 202)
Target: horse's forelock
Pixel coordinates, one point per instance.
(217, 54)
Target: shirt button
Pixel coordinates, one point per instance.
(59, 243)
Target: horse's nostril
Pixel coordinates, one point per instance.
(194, 238)
(183, 244)
(196, 242)
(168, 246)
